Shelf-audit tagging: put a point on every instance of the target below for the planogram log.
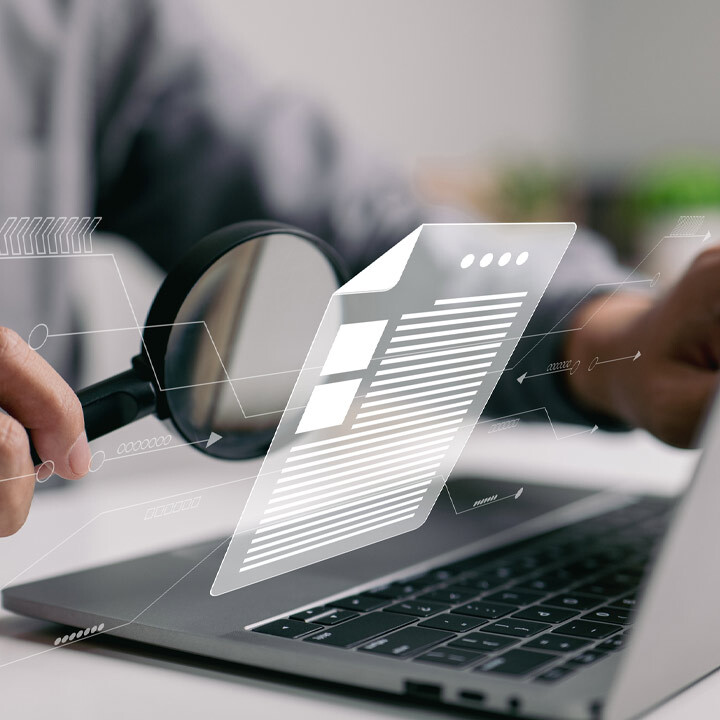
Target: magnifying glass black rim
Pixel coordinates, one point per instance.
(183, 277)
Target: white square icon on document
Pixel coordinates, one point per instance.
(328, 405)
(353, 347)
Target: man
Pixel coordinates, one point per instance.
(128, 109)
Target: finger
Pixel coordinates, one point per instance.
(33, 393)
(680, 407)
(17, 476)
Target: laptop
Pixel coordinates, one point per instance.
(557, 603)
(563, 604)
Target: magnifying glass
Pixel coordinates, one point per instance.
(225, 340)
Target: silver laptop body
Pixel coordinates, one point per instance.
(164, 600)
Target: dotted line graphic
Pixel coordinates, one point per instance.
(78, 634)
(171, 508)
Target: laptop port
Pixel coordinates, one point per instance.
(472, 696)
(423, 691)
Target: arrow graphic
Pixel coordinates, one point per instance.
(7, 226)
(214, 437)
(571, 369)
(597, 361)
(492, 501)
(99, 458)
(588, 431)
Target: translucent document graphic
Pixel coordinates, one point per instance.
(401, 367)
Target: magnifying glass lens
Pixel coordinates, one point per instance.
(239, 341)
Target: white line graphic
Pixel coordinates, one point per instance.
(391, 494)
(419, 403)
(426, 393)
(373, 450)
(245, 568)
(446, 333)
(481, 298)
(456, 321)
(446, 343)
(432, 373)
(597, 361)
(459, 311)
(439, 353)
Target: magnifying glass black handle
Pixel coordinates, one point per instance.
(112, 404)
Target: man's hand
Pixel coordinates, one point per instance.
(668, 389)
(34, 396)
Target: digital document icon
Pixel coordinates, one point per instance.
(400, 369)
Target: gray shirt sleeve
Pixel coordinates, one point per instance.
(188, 140)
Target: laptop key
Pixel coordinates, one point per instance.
(610, 615)
(361, 603)
(397, 590)
(545, 613)
(616, 642)
(485, 609)
(550, 581)
(287, 628)
(515, 662)
(453, 623)
(586, 629)
(587, 657)
(417, 608)
(604, 587)
(504, 571)
(585, 566)
(575, 601)
(515, 597)
(555, 674)
(361, 629)
(309, 614)
(336, 617)
(432, 577)
(481, 582)
(448, 595)
(556, 643)
(405, 642)
(627, 602)
(526, 564)
(482, 642)
(451, 657)
(516, 628)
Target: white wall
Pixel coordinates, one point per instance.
(606, 83)
(651, 80)
(420, 78)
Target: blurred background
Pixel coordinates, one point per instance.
(605, 113)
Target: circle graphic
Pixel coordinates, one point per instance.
(44, 471)
(97, 461)
(38, 336)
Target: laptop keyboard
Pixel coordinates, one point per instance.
(541, 609)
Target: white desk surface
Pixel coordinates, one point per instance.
(102, 518)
